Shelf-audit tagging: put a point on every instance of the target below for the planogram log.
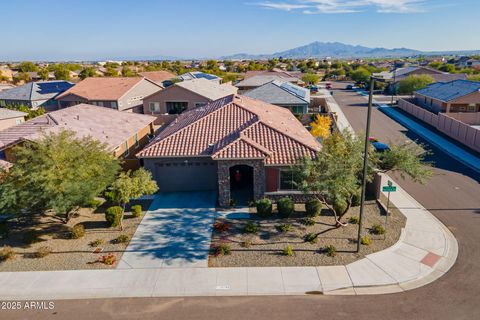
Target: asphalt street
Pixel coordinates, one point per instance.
(452, 195)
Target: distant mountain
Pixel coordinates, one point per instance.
(339, 50)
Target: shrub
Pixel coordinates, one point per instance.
(330, 251)
(30, 237)
(308, 222)
(43, 252)
(311, 237)
(313, 207)
(285, 207)
(222, 249)
(108, 259)
(94, 203)
(77, 231)
(113, 215)
(365, 240)
(123, 238)
(264, 207)
(7, 253)
(354, 220)
(288, 251)
(377, 229)
(220, 226)
(250, 227)
(247, 243)
(286, 227)
(96, 242)
(136, 210)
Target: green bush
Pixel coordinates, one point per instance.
(6, 253)
(288, 251)
(250, 227)
(94, 203)
(247, 243)
(113, 215)
(43, 252)
(311, 237)
(284, 228)
(308, 222)
(123, 238)
(136, 210)
(377, 229)
(330, 251)
(365, 240)
(222, 249)
(96, 242)
(264, 207)
(313, 207)
(77, 231)
(285, 207)
(354, 220)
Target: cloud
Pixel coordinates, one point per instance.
(347, 6)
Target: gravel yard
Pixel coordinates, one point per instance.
(264, 248)
(67, 253)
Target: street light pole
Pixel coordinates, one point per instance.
(365, 162)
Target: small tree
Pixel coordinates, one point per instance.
(61, 73)
(130, 185)
(321, 126)
(87, 73)
(361, 75)
(413, 83)
(310, 78)
(43, 73)
(57, 172)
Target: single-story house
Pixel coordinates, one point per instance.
(9, 118)
(124, 133)
(199, 75)
(282, 94)
(159, 77)
(35, 94)
(259, 80)
(123, 94)
(453, 96)
(240, 147)
(167, 104)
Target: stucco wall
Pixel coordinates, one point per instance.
(7, 123)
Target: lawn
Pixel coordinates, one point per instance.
(276, 237)
(46, 243)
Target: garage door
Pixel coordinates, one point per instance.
(191, 175)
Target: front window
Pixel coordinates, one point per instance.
(154, 106)
(136, 140)
(200, 104)
(125, 146)
(176, 107)
(100, 103)
(287, 180)
(113, 105)
(2, 155)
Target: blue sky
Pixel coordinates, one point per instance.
(101, 29)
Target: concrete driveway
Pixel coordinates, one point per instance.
(174, 233)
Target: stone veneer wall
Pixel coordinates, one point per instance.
(224, 179)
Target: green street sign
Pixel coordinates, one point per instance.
(389, 188)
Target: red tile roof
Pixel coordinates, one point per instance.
(235, 127)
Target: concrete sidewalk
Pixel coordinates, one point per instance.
(425, 251)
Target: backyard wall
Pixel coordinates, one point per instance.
(457, 126)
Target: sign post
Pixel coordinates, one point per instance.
(388, 188)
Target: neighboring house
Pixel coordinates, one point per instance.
(159, 77)
(10, 118)
(283, 94)
(186, 95)
(199, 75)
(453, 96)
(276, 72)
(123, 133)
(6, 86)
(240, 147)
(34, 76)
(259, 80)
(123, 94)
(35, 94)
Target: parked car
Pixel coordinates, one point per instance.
(379, 146)
(313, 88)
(349, 87)
(328, 85)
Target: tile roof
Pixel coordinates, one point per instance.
(280, 93)
(257, 81)
(32, 91)
(198, 75)
(235, 127)
(109, 126)
(157, 76)
(208, 89)
(108, 88)
(8, 114)
(447, 91)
